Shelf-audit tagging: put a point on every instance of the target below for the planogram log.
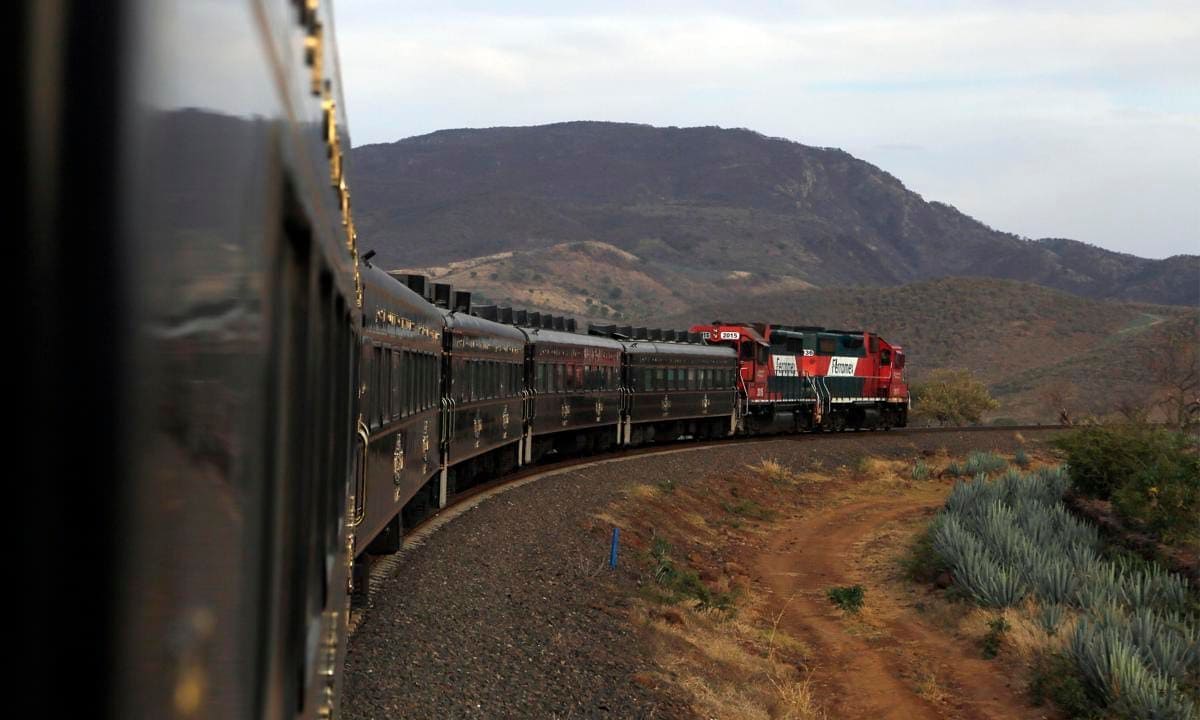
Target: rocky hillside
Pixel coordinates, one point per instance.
(703, 205)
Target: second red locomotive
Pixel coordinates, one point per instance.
(809, 378)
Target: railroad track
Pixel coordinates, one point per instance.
(383, 566)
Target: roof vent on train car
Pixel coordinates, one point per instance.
(668, 335)
(625, 330)
(640, 333)
(535, 319)
(487, 312)
(601, 330)
(560, 323)
(572, 326)
(547, 321)
(441, 295)
(655, 334)
(461, 301)
(520, 317)
(506, 315)
(694, 337)
(416, 283)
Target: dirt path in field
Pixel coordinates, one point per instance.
(888, 661)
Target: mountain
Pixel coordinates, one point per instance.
(696, 206)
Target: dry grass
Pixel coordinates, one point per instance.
(731, 664)
(775, 472)
(644, 492)
(733, 668)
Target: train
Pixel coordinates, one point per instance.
(235, 408)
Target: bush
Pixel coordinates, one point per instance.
(849, 599)
(1152, 475)
(951, 397)
(1101, 458)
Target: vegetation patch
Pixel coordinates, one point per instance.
(849, 599)
(998, 627)
(1151, 475)
(748, 509)
(1135, 646)
(679, 583)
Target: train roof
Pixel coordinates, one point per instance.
(649, 347)
(475, 325)
(375, 280)
(542, 335)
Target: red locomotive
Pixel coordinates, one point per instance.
(808, 378)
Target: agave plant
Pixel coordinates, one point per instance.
(1050, 617)
(1055, 581)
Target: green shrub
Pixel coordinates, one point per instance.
(920, 471)
(922, 563)
(679, 583)
(997, 629)
(1163, 498)
(1103, 458)
(849, 599)
(1056, 678)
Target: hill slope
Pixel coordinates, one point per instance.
(702, 203)
(1023, 340)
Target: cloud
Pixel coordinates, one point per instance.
(1029, 117)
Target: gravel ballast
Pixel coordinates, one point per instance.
(510, 610)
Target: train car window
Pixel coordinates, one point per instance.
(423, 380)
(826, 346)
(396, 383)
(747, 352)
(414, 382)
(560, 374)
(381, 387)
(885, 357)
(763, 351)
(579, 377)
(540, 377)
(418, 382)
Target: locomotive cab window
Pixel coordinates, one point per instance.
(885, 357)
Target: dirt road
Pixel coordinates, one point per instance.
(889, 662)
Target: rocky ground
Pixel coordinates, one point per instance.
(511, 611)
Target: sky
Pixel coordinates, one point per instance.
(1045, 119)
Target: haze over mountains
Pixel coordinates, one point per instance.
(703, 212)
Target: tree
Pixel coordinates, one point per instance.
(1175, 369)
(951, 397)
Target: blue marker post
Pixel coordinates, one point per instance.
(612, 556)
